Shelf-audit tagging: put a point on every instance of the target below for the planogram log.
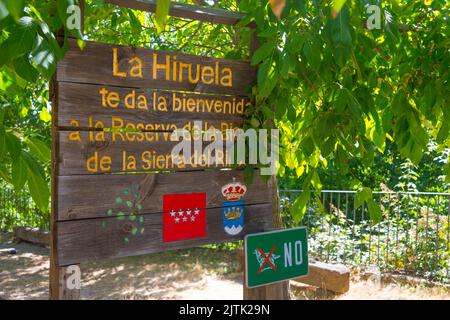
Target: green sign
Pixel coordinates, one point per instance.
(276, 256)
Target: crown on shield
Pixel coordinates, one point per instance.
(234, 191)
(233, 213)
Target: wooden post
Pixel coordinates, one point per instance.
(59, 288)
(64, 281)
(276, 291)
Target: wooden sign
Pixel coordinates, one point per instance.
(117, 189)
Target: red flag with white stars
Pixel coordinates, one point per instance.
(184, 216)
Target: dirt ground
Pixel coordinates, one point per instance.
(199, 274)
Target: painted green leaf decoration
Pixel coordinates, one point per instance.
(109, 212)
(129, 204)
(119, 200)
(126, 240)
(134, 231)
(139, 206)
(141, 219)
(132, 217)
(120, 215)
(126, 192)
(103, 224)
(142, 230)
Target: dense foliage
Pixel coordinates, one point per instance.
(337, 89)
(340, 90)
(389, 172)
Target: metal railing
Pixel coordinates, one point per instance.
(412, 237)
(20, 210)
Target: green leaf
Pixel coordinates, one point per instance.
(20, 41)
(298, 209)
(45, 115)
(19, 174)
(44, 56)
(374, 211)
(135, 23)
(341, 28)
(311, 50)
(447, 173)
(25, 70)
(3, 11)
(363, 195)
(39, 148)
(270, 32)
(263, 52)
(14, 7)
(267, 78)
(162, 12)
(48, 36)
(36, 182)
(315, 182)
(337, 6)
(13, 145)
(2, 134)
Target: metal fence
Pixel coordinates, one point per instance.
(412, 238)
(20, 210)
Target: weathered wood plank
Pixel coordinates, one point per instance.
(87, 107)
(64, 288)
(93, 239)
(181, 10)
(32, 235)
(91, 196)
(90, 154)
(332, 277)
(95, 65)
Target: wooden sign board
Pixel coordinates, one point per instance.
(116, 189)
